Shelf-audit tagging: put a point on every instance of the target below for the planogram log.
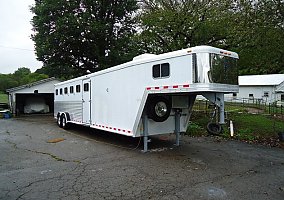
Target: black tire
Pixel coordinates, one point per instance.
(214, 128)
(158, 108)
(63, 122)
(58, 120)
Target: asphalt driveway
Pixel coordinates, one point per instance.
(38, 160)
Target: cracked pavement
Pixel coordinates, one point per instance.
(91, 164)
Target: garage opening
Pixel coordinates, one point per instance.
(32, 103)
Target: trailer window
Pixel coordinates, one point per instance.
(86, 87)
(78, 89)
(71, 89)
(60, 91)
(65, 90)
(56, 92)
(161, 70)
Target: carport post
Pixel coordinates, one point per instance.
(145, 132)
(177, 126)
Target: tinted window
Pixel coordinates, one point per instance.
(161, 70)
(71, 89)
(78, 88)
(86, 87)
(60, 90)
(165, 69)
(156, 71)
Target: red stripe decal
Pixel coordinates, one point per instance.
(186, 86)
(175, 86)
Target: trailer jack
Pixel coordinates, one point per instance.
(146, 140)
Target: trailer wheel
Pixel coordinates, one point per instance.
(214, 128)
(58, 120)
(63, 122)
(158, 108)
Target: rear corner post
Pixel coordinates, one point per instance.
(177, 126)
(145, 132)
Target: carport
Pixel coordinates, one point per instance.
(37, 97)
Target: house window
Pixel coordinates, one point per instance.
(251, 96)
(86, 87)
(60, 91)
(234, 94)
(78, 89)
(266, 94)
(161, 70)
(71, 89)
(65, 90)
(56, 92)
(282, 97)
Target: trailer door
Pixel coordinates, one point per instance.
(86, 99)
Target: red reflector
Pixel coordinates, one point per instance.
(175, 86)
(186, 85)
(148, 88)
(156, 88)
(103, 126)
(118, 129)
(123, 130)
(114, 129)
(129, 131)
(166, 87)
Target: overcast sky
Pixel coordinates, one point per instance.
(16, 47)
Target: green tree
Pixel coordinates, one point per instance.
(82, 34)
(254, 29)
(169, 25)
(21, 76)
(260, 37)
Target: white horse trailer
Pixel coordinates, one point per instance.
(150, 95)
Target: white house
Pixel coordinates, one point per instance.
(267, 88)
(33, 97)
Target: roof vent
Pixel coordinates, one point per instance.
(144, 56)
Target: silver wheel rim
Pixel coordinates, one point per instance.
(161, 109)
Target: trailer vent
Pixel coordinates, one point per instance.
(144, 56)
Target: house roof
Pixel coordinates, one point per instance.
(268, 79)
(31, 84)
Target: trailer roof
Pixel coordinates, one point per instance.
(152, 57)
(267, 79)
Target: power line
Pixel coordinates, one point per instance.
(22, 49)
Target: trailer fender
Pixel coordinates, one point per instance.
(158, 108)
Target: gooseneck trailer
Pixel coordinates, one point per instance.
(150, 95)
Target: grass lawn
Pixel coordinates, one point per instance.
(249, 127)
(3, 98)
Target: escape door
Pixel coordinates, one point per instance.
(86, 101)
